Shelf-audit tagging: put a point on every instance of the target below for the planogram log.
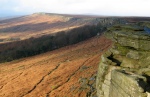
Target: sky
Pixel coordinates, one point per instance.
(92, 7)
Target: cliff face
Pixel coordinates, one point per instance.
(124, 70)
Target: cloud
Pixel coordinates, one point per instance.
(101, 7)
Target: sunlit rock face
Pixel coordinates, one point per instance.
(124, 70)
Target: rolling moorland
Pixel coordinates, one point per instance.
(69, 71)
(39, 24)
(38, 33)
(52, 55)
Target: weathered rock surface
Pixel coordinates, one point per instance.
(124, 70)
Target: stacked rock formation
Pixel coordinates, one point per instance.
(124, 70)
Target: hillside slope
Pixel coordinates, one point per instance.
(67, 72)
(36, 25)
(41, 32)
(39, 24)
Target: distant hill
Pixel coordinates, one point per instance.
(41, 32)
(39, 24)
(36, 25)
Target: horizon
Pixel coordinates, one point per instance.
(97, 15)
(137, 8)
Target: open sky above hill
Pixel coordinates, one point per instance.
(95, 7)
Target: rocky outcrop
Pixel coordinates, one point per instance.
(124, 70)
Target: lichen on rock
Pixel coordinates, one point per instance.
(124, 70)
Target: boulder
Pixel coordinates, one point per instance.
(124, 70)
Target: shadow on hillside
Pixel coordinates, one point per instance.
(32, 27)
(44, 26)
(34, 46)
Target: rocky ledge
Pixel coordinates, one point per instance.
(124, 70)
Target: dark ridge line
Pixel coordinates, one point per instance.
(17, 76)
(11, 80)
(40, 81)
(70, 76)
(2, 86)
(88, 81)
(51, 72)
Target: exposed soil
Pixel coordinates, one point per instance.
(67, 72)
